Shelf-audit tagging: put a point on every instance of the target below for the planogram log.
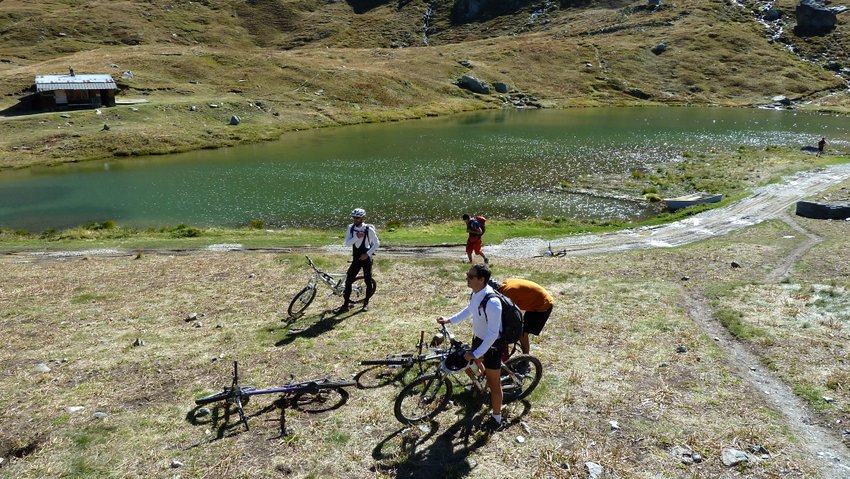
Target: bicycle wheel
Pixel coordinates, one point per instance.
(325, 399)
(301, 300)
(358, 290)
(423, 399)
(527, 370)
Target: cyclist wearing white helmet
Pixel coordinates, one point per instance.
(363, 240)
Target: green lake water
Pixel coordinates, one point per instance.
(497, 163)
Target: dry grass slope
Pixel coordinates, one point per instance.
(286, 65)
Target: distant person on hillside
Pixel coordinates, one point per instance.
(363, 240)
(535, 302)
(821, 146)
(473, 242)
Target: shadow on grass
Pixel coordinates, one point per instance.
(224, 417)
(326, 320)
(420, 452)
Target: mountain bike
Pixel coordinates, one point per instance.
(427, 395)
(396, 367)
(549, 253)
(335, 281)
(317, 395)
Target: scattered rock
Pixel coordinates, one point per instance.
(191, 317)
(686, 278)
(194, 82)
(202, 412)
(235, 120)
(466, 63)
(759, 449)
(594, 470)
(73, 409)
(525, 427)
(732, 457)
(520, 439)
(175, 464)
(127, 75)
(213, 105)
(782, 100)
(681, 349)
(65, 115)
(41, 368)
(105, 128)
(813, 18)
(138, 342)
(473, 84)
(772, 14)
(193, 108)
(100, 415)
(132, 108)
(697, 458)
(501, 87)
(615, 426)
(828, 399)
(197, 325)
(735, 264)
(659, 49)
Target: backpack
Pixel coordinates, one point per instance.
(365, 237)
(481, 221)
(511, 317)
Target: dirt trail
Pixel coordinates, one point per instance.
(824, 447)
(766, 203)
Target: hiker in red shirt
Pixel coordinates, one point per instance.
(473, 243)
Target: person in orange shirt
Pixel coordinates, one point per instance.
(535, 302)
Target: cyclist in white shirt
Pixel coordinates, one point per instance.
(363, 240)
(487, 346)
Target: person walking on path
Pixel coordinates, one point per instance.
(535, 302)
(363, 240)
(473, 242)
(487, 346)
(821, 146)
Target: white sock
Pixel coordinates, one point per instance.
(498, 418)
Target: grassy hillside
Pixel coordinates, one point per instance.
(285, 65)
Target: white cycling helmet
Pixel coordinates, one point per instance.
(358, 213)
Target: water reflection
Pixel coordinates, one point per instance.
(497, 163)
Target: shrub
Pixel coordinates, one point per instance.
(257, 224)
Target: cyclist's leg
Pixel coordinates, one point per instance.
(353, 269)
(367, 277)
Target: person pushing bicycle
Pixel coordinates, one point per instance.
(487, 346)
(363, 240)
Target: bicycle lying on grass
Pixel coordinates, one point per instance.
(428, 394)
(549, 253)
(317, 395)
(335, 281)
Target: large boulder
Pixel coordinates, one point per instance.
(813, 18)
(474, 84)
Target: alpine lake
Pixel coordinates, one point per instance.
(503, 164)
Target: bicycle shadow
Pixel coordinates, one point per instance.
(326, 321)
(375, 377)
(404, 453)
(225, 418)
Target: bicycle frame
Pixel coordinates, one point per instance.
(237, 394)
(335, 281)
(432, 390)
